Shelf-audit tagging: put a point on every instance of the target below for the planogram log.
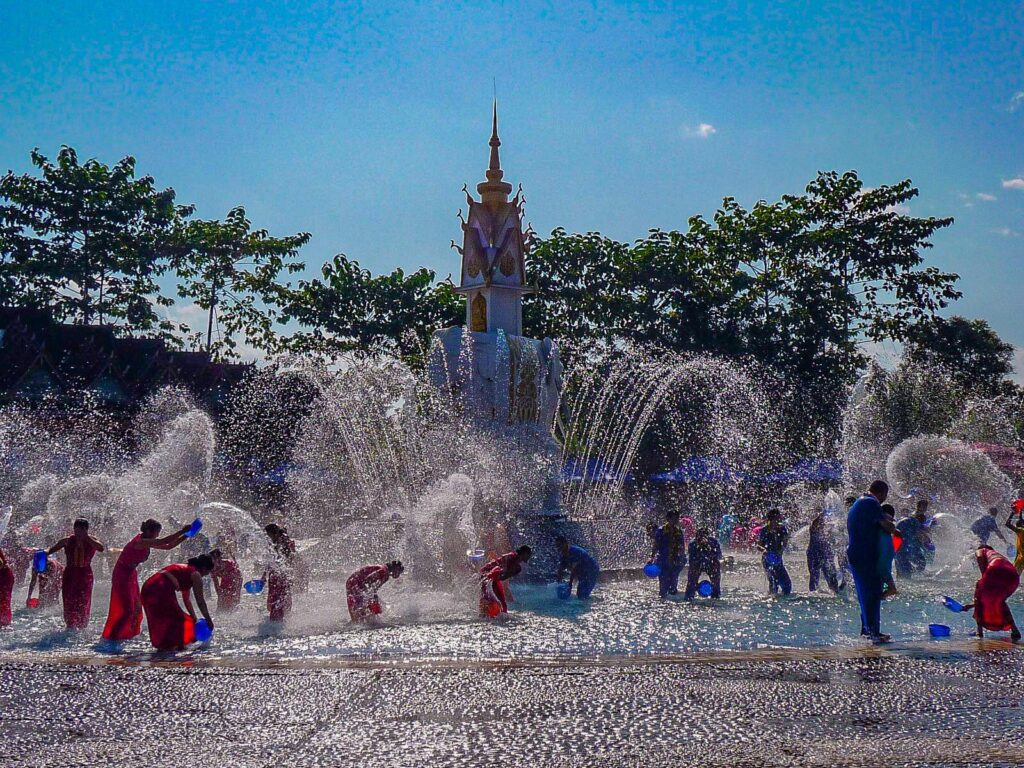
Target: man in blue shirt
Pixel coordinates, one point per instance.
(580, 565)
(705, 556)
(986, 525)
(863, 523)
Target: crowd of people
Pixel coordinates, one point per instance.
(879, 550)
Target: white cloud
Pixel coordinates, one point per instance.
(195, 317)
(1006, 232)
(1016, 101)
(988, 198)
(1017, 183)
(701, 131)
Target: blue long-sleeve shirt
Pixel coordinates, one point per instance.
(579, 560)
(671, 543)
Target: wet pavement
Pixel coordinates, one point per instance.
(951, 704)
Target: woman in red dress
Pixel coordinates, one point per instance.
(279, 575)
(6, 588)
(999, 579)
(170, 628)
(76, 586)
(227, 581)
(124, 618)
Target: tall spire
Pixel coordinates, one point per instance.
(494, 190)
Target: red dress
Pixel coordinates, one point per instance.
(76, 586)
(361, 589)
(170, 628)
(998, 581)
(227, 580)
(124, 618)
(6, 588)
(490, 583)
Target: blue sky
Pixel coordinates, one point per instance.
(360, 122)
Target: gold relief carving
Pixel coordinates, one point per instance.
(507, 263)
(478, 314)
(473, 263)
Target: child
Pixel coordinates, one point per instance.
(772, 540)
(1018, 530)
(887, 553)
(49, 582)
(705, 554)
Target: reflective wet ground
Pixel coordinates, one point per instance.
(958, 704)
(625, 618)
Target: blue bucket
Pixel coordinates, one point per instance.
(203, 631)
(952, 604)
(564, 591)
(193, 529)
(705, 588)
(254, 587)
(39, 560)
(939, 630)
(652, 570)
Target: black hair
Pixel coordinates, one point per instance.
(524, 551)
(671, 513)
(201, 563)
(273, 529)
(889, 509)
(395, 565)
(560, 540)
(215, 553)
(850, 500)
(81, 522)
(150, 524)
(877, 487)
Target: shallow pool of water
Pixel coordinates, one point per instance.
(624, 617)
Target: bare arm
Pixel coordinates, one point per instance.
(97, 544)
(197, 588)
(58, 546)
(167, 542)
(889, 526)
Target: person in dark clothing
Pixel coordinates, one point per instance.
(863, 523)
(705, 555)
(773, 541)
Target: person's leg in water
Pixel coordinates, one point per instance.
(585, 584)
(714, 571)
(668, 580)
(769, 572)
(813, 569)
(692, 576)
(831, 573)
(869, 595)
(782, 579)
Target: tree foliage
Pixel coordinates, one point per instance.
(233, 272)
(968, 350)
(351, 310)
(87, 240)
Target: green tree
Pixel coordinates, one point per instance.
(968, 350)
(351, 310)
(233, 272)
(88, 241)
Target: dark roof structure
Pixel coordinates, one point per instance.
(43, 360)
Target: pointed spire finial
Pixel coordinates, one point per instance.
(494, 190)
